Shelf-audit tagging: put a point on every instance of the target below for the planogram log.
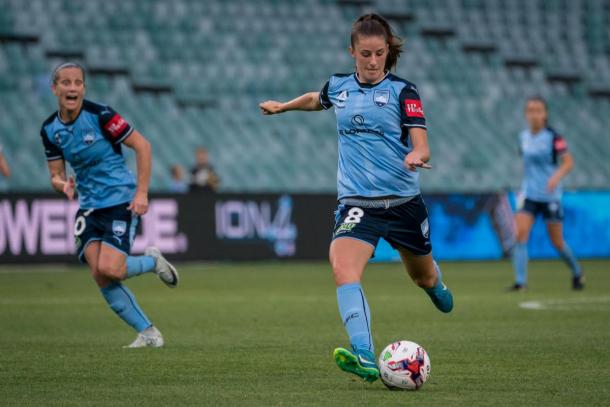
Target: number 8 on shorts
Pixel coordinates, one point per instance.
(354, 215)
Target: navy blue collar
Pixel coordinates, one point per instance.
(370, 85)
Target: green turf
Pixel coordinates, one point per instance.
(263, 334)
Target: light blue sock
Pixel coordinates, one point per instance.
(567, 256)
(137, 265)
(124, 304)
(520, 259)
(355, 315)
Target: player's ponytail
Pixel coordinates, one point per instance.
(374, 25)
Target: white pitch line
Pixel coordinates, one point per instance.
(563, 304)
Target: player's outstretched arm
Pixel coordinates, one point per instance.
(420, 155)
(307, 102)
(57, 169)
(137, 142)
(566, 165)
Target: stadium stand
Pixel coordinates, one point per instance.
(188, 73)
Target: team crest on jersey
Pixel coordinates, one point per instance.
(89, 137)
(425, 228)
(342, 98)
(119, 227)
(381, 97)
(57, 138)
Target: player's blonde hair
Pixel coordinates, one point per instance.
(55, 75)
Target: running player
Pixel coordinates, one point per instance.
(546, 161)
(382, 143)
(89, 136)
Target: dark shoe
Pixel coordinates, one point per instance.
(517, 288)
(578, 283)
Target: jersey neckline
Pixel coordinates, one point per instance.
(82, 107)
(539, 133)
(370, 85)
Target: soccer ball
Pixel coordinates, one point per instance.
(404, 365)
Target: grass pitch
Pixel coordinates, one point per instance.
(263, 334)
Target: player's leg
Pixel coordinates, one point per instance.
(424, 272)
(524, 220)
(555, 230)
(409, 233)
(348, 258)
(118, 297)
(110, 264)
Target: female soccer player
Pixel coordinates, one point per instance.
(382, 143)
(546, 161)
(89, 136)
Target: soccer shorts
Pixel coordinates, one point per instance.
(115, 226)
(550, 211)
(404, 226)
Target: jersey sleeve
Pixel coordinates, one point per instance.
(51, 151)
(412, 111)
(324, 99)
(114, 127)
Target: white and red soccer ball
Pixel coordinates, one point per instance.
(404, 365)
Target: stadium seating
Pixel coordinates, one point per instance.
(188, 73)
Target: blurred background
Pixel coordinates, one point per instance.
(189, 74)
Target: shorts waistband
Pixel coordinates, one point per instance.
(376, 203)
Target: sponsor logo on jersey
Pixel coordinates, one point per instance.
(381, 97)
(358, 123)
(116, 126)
(413, 108)
(358, 120)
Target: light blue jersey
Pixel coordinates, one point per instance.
(540, 158)
(92, 145)
(373, 123)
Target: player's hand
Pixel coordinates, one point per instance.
(271, 107)
(69, 187)
(139, 205)
(413, 161)
(552, 184)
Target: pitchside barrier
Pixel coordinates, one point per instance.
(38, 228)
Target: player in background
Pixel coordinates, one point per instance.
(5, 170)
(89, 137)
(546, 161)
(382, 144)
